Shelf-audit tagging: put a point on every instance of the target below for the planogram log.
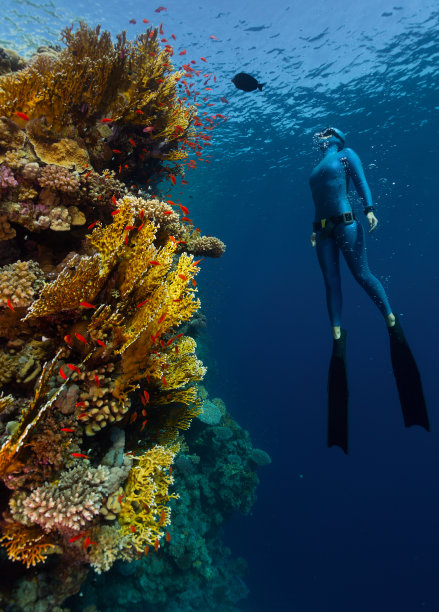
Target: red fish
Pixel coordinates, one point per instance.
(87, 175)
(113, 199)
(142, 303)
(213, 37)
(197, 262)
(145, 20)
(101, 343)
(80, 404)
(173, 37)
(96, 377)
(92, 225)
(140, 227)
(194, 282)
(79, 455)
(67, 429)
(160, 8)
(156, 545)
(183, 182)
(165, 384)
(167, 212)
(86, 305)
(140, 112)
(9, 303)
(173, 179)
(62, 374)
(162, 517)
(106, 120)
(182, 52)
(187, 220)
(78, 537)
(141, 213)
(73, 368)
(115, 212)
(204, 59)
(143, 425)
(154, 263)
(184, 210)
(146, 394)
(117, 151)
(149, 128)
(133, 21)
(162, 318)
(133, 529)
(131, 141)
(183, 277)
(22, 115)
(83, 414)
(170, 471)
(179, 335)
(224, 100)
(168, 536)
(81, 338)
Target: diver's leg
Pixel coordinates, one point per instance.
(338, 395)
(350, 239)
(329, 260)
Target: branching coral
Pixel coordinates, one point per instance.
(145, 512)
(71, 503)
(30, 545)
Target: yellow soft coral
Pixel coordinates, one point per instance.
(145, 512)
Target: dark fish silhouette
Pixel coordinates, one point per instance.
(246, 82)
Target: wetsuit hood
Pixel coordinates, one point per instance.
(335, 131)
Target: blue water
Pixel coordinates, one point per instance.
(329, 533)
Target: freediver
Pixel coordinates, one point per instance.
(335, 229)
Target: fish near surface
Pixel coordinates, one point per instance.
(246, 82)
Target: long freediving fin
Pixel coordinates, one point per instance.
(338, 395)
(408, 379)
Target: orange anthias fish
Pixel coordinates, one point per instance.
(101, 343)
(96, 377)
(62, 374)
(156, 545)
(78, 537)
(22, 115)
(162, 517)
(81, 338)
(184, 210)
(113, 199)
(86, 305)
(173, 179)
(73, 368)
(168, 536)
(9, 303)
(106, 120)
(69, 429)
(162, 318)
(79, 455)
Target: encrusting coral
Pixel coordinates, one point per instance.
(97, 292)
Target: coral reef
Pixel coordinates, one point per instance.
(194, 571)
(99, 308)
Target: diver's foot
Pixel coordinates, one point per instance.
(336, 332)
(390, 320)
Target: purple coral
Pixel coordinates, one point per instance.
(7, 178)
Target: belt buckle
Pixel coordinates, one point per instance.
(323, 223)
(348, 218)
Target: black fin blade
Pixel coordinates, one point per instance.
(408, 380)
(338, 395)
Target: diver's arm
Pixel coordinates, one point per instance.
(355, 171)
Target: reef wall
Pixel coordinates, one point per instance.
(99, 375)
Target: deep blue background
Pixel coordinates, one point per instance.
(329, 532)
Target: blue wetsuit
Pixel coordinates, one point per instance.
(329, 183)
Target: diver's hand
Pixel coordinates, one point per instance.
(373, 221)
(313, 239)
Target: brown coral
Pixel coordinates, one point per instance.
(20, 282)
(58, 178)
(6, 231)
(209, 246)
